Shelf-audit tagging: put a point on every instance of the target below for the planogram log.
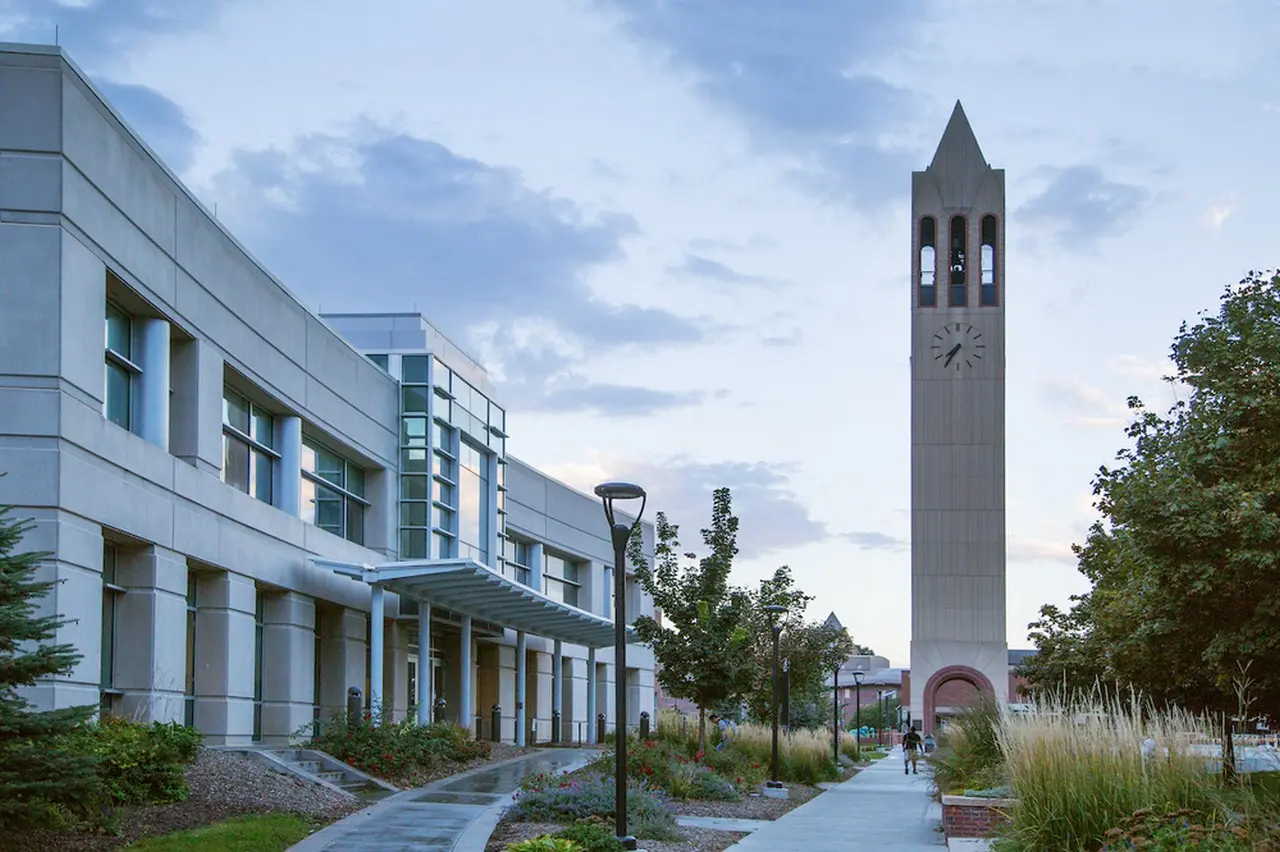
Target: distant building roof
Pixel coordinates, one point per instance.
(879, 677)
(832, 621)
(1017, 656)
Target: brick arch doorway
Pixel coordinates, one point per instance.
(959, 682)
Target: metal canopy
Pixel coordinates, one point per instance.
(466, 586)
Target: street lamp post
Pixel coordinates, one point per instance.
(775, 627)
(835, 714)
(620, 533)
(880, 712)
(857, 707)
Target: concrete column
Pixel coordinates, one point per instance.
(521, 657)
(395, 671)
(557, 687)
(542, 693)
(151, 634)
(196, 410)
(289, 466)
(592, 712)
(466, 676)
(343, 657)
(377, 625)
(288, 664)
(225, 658)
(535, 565)
(424, 663)
(507, 691)
(153, 385)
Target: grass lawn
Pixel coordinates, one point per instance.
(258, 833)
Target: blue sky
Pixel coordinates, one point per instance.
(678, 232)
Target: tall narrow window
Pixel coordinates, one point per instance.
(333, 493)
(248, 446)
(560, 580)
(928, 262)
(989, 296)
(473, 501)
(959, 259)
(259, 611)
(189, 694)
(516, 557)
(112, 592)
(121, 371)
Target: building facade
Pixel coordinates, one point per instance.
(205, 460)
(957, 425)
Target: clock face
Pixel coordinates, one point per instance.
(958, 345)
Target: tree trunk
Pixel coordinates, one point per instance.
(702, 730)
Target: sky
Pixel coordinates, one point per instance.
(678, 231)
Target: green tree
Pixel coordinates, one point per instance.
(38, 773)
(702, 646)
(1185, 563)
(812, 650)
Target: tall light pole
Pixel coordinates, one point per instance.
(608, 492)
(880, 711)
(776, 611)
(835, 715)
(857, 707)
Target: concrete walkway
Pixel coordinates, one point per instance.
(457, 813)
(879, 808)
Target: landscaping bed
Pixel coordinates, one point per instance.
(222, 785)
(692, 839)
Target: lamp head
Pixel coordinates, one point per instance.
(610, 491)
(858, 676)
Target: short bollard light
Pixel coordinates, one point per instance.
(644, 725)
(495, 725)
(440, 706)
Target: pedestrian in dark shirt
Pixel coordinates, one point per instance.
(911, 752)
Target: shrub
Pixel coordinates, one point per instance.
(968, 754)
(544, 798)
(544, 843)
(400, 752)
(139, 764)
(804, 756)
(1177, 831)
(591, 837)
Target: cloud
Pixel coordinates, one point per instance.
(756, 242)
(778, 341)
(697, 266)
(1215, 215)
(1019, 548)
(92, 30)
(871, 540)
(1087, 405)
(370, 219)
(1084, 206)
(612, 400)
(772, 518)
(160, 122)
(796, 76)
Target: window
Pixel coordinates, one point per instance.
(379, 360)
(121, 371)
(333, 492)
(928, 262)
(259, 611)
(189, 701)
(988, 296)
(958, 249)
(560, 580)
(473, 500)
(248, 446)
(518, 555)
(413, 369)
(112, 592)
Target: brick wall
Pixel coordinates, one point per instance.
(966, 817)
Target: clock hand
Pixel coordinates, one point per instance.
(951, 354)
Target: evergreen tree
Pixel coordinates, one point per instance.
(38, 770)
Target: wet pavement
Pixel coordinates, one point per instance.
(457, 813)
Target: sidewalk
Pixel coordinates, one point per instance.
(457, 813)
(879, 808)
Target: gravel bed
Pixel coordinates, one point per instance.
(694, 839)
(749, 806)
(223, 785)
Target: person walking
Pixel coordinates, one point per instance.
(911, 752)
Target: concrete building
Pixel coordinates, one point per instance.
(957, 426)
(251, 508)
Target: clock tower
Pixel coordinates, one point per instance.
(958, 645)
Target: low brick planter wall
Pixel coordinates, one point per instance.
(968, 816)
